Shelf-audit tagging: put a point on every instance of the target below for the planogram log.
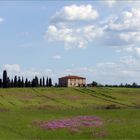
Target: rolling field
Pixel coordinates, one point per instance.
(25, 113)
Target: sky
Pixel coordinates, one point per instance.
(99, 40)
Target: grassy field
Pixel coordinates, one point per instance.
(118, 108)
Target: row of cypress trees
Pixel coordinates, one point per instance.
(6, 82)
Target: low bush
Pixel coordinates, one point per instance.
(112, 106)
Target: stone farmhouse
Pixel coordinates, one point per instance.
(72, 81)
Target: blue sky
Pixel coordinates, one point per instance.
(98, 40)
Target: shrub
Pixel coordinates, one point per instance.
(112, 106)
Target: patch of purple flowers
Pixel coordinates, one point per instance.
(75, 122)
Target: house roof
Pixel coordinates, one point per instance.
(72, 77)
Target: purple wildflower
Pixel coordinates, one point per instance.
(75, 122)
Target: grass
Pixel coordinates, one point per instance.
(20, 108)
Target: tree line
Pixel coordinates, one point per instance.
(20, 82)
(133, 85)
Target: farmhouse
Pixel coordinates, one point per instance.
(72, 81)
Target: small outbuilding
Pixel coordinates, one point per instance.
(72, 81)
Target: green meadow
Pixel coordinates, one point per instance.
(20, 108)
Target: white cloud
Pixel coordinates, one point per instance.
(125, 70)
(56, 57)
(137, 51)
(123, 30)
(128, 60)
(15, 69)
(130, 36)
(81, 71)
(131, 50)
(1, 19)
(128, 20)
(11, 67)
(106, 64)
(75, 12)
(73, 37)
(120, 29)
(110, 3)
(30, 73)
(128, 48)
(63, 27)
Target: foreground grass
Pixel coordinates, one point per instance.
(20, 108)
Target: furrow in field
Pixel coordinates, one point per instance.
(100, 96)
(38, 94)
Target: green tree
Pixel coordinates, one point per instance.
(26, 82)
(134, 85)
(5, 81)
(47, 82)
(43, 82)
(94, 84)
(40, 82)
(12, 83)
(15, 82)
(19, 82)
(35, 82)
(0, 83)
(22, 82)
(50, 82)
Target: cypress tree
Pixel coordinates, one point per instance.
(33, 83)
(0, 83)
(29, 84)
(36, 81)
(40, 82)
(15, 82)
(8, 82)
(22, 82)
(26, 82)
(43, 82)
(5, 84)
(19, 82)
(12, 83)
(47, 82)
(50, 82)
